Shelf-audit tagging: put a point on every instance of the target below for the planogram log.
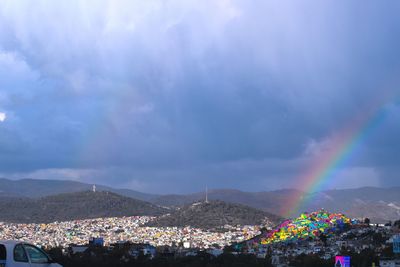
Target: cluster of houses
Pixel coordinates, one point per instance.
(382, 239)
(377, 238)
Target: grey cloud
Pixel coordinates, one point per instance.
(165, 90)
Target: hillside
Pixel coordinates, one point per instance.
(71, 206)
(215, 214)
(271, 201)
(306, 226)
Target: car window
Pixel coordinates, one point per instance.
(20, 254)
(36, 255)
(3, 253)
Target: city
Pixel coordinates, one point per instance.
(317, 237)
(126, 229)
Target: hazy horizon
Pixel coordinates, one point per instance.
(200, 190)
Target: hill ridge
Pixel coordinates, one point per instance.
(215, 214)
(73, 206)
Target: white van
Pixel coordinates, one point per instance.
(21, 254)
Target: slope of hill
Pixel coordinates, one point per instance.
(71, 206)
(34, 188)
(272, 201)
(215, 214)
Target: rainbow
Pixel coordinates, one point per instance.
(343, 147)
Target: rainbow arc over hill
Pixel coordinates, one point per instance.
(343, 147)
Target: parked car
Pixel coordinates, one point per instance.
(21, 254)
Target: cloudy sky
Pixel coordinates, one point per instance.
(170, 96)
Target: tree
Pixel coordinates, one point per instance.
(323, 238)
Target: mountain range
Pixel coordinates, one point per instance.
(378, 204)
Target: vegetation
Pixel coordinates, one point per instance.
(101, 257)
(88, 204)
(214, 214)
(311, 260)
(120, 257)
(72, 206)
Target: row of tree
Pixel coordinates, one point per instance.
(119, 257)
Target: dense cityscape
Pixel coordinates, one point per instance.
(313, 237)
(126, 229)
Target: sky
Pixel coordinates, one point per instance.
(171, 96)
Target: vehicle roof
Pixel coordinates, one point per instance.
(12, 242)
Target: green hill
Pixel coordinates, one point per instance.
(72, 206)
(215, 214)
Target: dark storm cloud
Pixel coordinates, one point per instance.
(161, 95)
